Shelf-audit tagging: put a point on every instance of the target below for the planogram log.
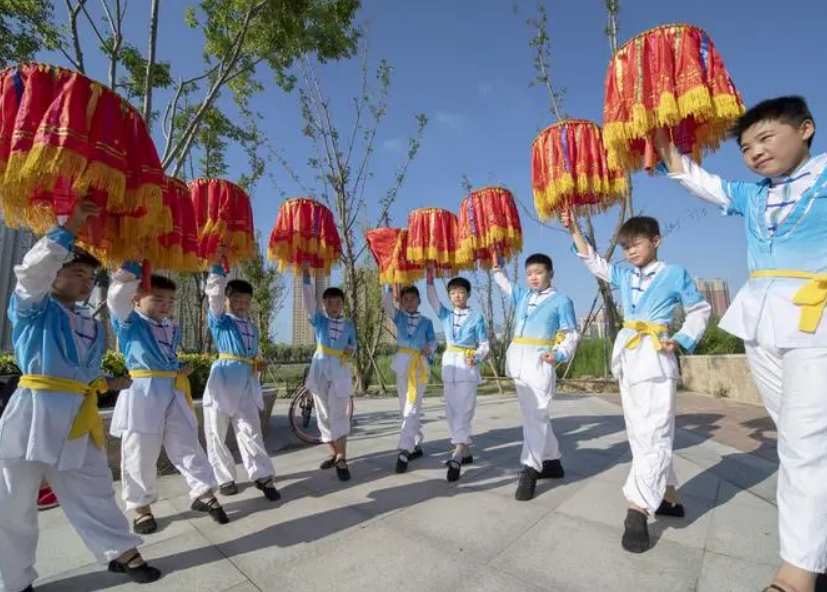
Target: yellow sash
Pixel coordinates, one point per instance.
(249, 361)
(535, 342)
(468, 351)
(811, 297)
(88, 420)
(343, 356)
(417, 372)
(182, 383)
(645, 328)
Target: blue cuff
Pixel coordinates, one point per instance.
(561, 357)
(306, 280)
(686, 342)
(133, 267)
(661, 168)
(65, 238)
(218, 270)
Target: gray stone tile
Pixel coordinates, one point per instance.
(245, 587)
(727, 574)
(565, 554)
(745, 530)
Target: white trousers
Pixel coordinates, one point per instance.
(539, 441)
(331, 412)
(793, 385)
(649, 412)
(246, 424)
(139, 459)
(460, 404)
(86, 496)
(410, 414)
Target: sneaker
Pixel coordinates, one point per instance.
(552, 469)
(46, 499)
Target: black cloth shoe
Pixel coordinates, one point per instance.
(670, 509)
(402, 460)
(417, 452)
(342, 470)
(527, 484)
(468, 460)
(267, 487)
(29, 589)
(141, 574)
(552, 469)
(636, 534)
(453, 471)
(229, 488)
(213, 508)
(328, 463)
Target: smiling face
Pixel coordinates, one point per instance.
(537, 276)
(775, 148)
(458, 296)
(640, 251)
(156, 304)
(74, 283)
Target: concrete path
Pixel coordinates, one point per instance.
(415, 532)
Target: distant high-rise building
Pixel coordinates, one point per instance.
(716, 292)
(302, 331)
(13, 246)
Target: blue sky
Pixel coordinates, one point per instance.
(466, 64)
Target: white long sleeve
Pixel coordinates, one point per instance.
(596, 264)
(503, 282)
(433, 299)
(482, 350)
(309, 295)
(702, 184)
(37, 272)
(216, 283)
(696, 321)
(566, 349)
(388, 304)
(121, 292)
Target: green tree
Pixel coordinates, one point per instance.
(268, 291)
(26, 28)
(716, 341)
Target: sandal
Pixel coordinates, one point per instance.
(144, 524)
(267, 486)
(140, 574)
(342, 471)
(453, 471)
(329, 463)
(229, 488)
(775, 588)
(213, 508)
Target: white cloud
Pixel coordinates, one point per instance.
(394, 145)
(485, 87)
(452, 120)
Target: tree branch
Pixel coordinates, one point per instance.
(77, 62)
(150, 62)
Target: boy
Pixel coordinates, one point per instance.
(329, 377)
(643, 361)
(778, 312)
(157, 410)
(415, 343)
(467, 340)
(540, 312)
(233, 391)
(51, 427)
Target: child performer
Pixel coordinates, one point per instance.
(329, 378)
(415, 343)
(467, 347)
(158, 409)
(778, 313)
(233, 391)
(644, 362)
(540, 313)
(51, 427)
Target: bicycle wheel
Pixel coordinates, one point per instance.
(301, 407)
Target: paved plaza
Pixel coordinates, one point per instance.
(415, 532)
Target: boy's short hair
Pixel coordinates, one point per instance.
(81, 257)
(333, 292)
(459, 282)
(540, 259)
(636, 227)
(238, 287)
(160, 282)
(791, 110)
(410, 290)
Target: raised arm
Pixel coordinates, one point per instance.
(433, 297)
(216, 283)
(697, 312)
(309, 296)
(596, 264)
(388, 303)
(119, 297)
(502, 279)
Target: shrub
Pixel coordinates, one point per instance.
(8, 365)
